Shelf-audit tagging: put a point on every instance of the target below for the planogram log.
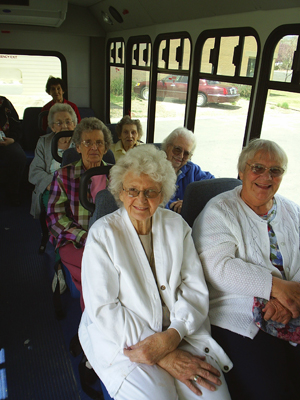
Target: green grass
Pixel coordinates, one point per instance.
(284, 99)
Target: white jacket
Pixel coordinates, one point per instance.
(234, 248)
(122, 299)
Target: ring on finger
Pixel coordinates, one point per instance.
(196, 378)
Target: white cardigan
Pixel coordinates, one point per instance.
(122, 299)
(234, 248)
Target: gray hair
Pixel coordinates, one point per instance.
(126, 120)
(145, 159)
(88, 125)
(179, 132)
(61, 107)
(266, 146)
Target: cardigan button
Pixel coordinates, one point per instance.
(163, 287)
(206, 350)
(226, 368)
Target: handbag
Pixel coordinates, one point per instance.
(289, 332)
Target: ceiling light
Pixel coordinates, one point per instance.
(106, 18)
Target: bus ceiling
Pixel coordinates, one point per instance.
(112, 16)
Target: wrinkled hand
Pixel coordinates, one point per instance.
(184, 366)
(275, 311)
(288, 294)
(6, 141)
(153, 348)
(176, 206)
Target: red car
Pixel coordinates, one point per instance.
(175, 87)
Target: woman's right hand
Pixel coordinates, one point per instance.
(185, 366)
(288, 294)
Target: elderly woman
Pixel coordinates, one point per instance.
(248, 242)
(179, 147)
(145, 321)
(60, 118)
(55, 87)
(129, 132)
(67, 219)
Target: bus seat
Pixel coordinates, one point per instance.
(84, 182)
(86, 112)
(112, 128)
(158, 145)
(30, 129)
(197, 194)
(105, 203)
(41, 116)
(71, 155)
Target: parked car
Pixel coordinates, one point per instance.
(175, 87)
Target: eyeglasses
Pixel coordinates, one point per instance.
(89, 143)
(259, 169)
(61, 123)
(177, 151)
(148, 193)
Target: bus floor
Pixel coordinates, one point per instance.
(35, 362)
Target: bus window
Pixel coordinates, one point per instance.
(23, 79)
(116, 80)
(282, 113)
(174, 56)
(140, 77)
(227, 47)
(283, 59)
(223, 93)
(249, 57)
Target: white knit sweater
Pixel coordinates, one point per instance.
(233, 244)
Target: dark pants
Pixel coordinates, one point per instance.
(13, 158)
(264, 368)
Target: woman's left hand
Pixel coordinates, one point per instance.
(186, 367)
(154, 348)
(7, 141)
(176, 206)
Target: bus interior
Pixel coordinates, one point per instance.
(228, 71)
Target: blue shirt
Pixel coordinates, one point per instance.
(190, 172)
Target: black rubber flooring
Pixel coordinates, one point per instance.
(34, 358)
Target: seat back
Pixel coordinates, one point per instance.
(71, 155)
(41, 116)
(86, 112)
(84, 182)
(105, 203)
(197, 194)
(30, 128)
(112, 128)
(54, 143)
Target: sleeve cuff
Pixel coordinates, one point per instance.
(180, 328)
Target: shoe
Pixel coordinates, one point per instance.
(75, 346)
(61, 280)
(42, 248)
(87, 378)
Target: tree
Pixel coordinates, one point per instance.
(287, 47)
